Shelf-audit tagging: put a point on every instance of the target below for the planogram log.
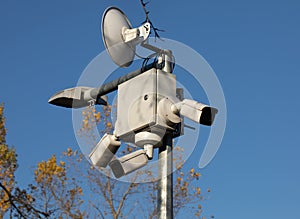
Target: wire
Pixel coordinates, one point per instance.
(146, 60)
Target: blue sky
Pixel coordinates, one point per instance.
(253, 46)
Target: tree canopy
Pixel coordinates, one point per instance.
(67, 186)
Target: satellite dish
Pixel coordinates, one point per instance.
(120, 39)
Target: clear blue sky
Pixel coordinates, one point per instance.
(253, 46)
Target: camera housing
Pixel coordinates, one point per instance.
(128, 163)
(198, 112)
(104, 151)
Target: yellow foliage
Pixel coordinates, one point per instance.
(89, 116)
(108, 124)
(85, 124)
(80, 191)
(69, 152)
(97, 116)
(29, 198)
(2, 124)
(48, 170)
(8, 166)
(196, 175)
(179, 165)
(198, 214)
(51, 183)
(179, 180)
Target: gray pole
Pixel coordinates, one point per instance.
(113, 85)
(165, 156)
(165, 184)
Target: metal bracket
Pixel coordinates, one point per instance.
(139, 34)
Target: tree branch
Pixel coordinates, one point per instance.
(99, 210)
(111, 203)
(155, 30)
(10, 199)
(132, 184)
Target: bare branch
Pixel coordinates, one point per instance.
(132, 184)
(99, 210)
(155, 30)
(110, 201)
(10, 199)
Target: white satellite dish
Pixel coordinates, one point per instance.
(120, 39)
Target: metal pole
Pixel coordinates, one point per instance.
(113, 85)
(165, 184)
(165, 156)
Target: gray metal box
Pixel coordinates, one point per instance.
(137, 103)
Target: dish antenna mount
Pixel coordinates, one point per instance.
(120, 38)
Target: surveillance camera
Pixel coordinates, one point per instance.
(104, 151)
(195, 111)
(128, 163)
